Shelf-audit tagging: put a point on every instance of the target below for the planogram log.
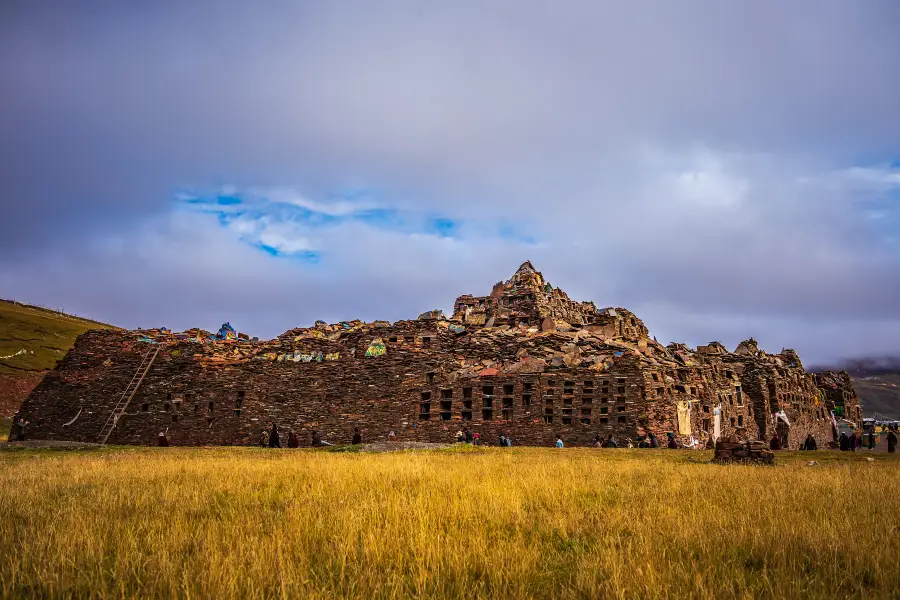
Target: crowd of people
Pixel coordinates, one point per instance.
(856, 441)
(270, 438)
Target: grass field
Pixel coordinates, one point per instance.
(487, 523)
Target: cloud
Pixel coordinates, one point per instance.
(715, 166)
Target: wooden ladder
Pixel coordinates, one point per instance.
(127, 395)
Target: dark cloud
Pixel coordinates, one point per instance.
(689, 158)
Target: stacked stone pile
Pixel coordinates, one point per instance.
(525, 362)
(732, 450)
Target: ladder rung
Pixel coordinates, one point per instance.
(128, 394)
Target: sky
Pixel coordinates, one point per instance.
(724, 170)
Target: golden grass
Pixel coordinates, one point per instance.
(493, 523)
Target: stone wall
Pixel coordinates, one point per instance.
(430, 377)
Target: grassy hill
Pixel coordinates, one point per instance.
(38, 338)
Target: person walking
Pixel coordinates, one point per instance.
(844, 442)
(892, 441)
(810, 443)
(293, 440)
(274, 441)
(871, 440)
(775, 442)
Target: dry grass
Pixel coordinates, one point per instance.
(494, 523)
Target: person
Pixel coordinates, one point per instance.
(871, 440)
(460, 437)
(775, 442)
(317, 440)
(392, 437)
(357, 437)
(274, 441)
(598, 443)
(844, 442)
(468, 436)
(502, 441)
(559, 442)
(810, 443)
(654, 443)
(20, 432)
(892, 441)
(264, 438)
(854, 441)
(274, 437)
(611, 442)
(629, 443)
(672, 443)
(293, 440)
(477, 439)
(161, 440)
(508, 441)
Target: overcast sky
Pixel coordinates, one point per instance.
(722, 169)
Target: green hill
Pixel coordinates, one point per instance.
(32, 340)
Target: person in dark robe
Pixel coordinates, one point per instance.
(871, 440)
(775, 442)
(20, 425)
(610, 442)
(316, 440)
(892, 441)
(654, 443)
(469, 437)
(673, 444)
(274, 441)
(844, 442)
(357, 437)
(810, 443)
(162, 441)
(293, 440)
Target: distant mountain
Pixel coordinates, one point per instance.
(32, 339)
(877, 381)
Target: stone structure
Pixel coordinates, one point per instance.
(525, 361)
